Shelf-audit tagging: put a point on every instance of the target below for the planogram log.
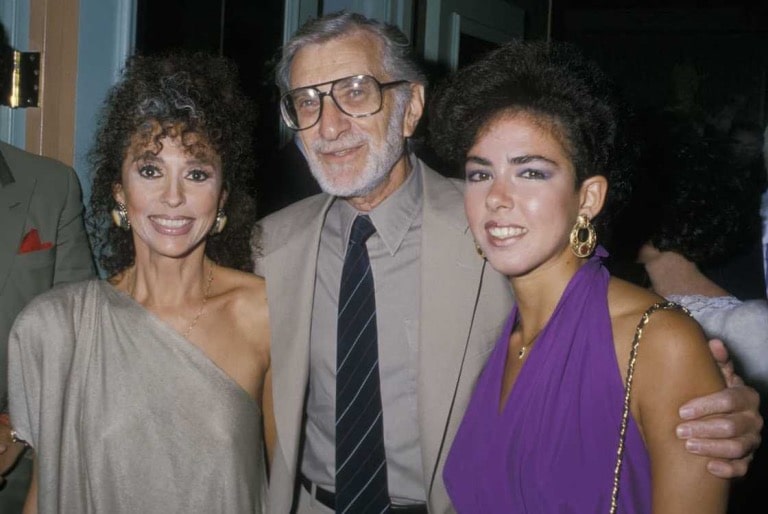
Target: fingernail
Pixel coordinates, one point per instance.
(692, 446)
(717, 468)
(686, 412)
(683, 432)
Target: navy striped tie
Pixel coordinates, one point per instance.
(361, 467)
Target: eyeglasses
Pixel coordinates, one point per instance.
(356, 96)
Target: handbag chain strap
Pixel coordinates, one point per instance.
(628, 391)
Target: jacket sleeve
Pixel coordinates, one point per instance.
(73, 252)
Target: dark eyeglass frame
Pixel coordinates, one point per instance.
(321, 95)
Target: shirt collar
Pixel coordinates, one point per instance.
(392, 217)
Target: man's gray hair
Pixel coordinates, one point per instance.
(398, 60)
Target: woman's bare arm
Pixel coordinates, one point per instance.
(675, 365)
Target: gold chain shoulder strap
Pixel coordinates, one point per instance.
(628, 390)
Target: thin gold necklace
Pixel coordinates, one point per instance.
(524, 348)
(206, 294)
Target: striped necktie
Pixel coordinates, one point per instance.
(361, 467)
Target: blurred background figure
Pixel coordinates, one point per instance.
(42, 243)
(694, 226)
(697, 205)
(743, 271)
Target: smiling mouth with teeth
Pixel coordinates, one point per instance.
(342, 152)
(506, 232)
(171, 223)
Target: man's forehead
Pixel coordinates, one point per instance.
(356, 54)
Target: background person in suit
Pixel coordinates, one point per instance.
(42, 243)
(437, 308)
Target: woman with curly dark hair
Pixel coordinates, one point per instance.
(696, 207)
(144, 392)
(558, 421)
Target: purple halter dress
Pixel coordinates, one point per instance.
(552, 448)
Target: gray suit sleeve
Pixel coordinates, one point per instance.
(73, 253)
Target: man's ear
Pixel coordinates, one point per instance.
(592, 195)
(414, 110)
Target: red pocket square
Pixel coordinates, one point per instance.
(32, 243)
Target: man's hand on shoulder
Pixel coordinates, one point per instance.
(724, 426)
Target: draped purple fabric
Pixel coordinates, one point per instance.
(552, 447)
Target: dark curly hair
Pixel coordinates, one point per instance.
(694, 197)
(552, 82)
(176, 95)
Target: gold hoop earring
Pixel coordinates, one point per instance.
(583, 237)
(120, 216)
(479, 251)
(220, 223)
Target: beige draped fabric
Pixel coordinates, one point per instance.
(125, 414)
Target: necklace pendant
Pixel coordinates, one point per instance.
(521, 353)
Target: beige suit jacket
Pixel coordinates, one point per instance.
(42, 194)
(456, 334)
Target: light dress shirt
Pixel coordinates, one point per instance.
(394, 252)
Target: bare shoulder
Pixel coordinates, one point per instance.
(670, 334)
(628, 300)
(247, 287)
(245, 296)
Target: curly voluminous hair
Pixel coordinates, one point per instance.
(553, 83)
(183, 95)
(694, 198)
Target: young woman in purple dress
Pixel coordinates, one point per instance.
(540, 141)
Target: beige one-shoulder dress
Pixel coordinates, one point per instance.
(127, 416)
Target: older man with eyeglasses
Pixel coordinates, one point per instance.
(382, 313)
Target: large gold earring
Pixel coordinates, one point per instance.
(220, 223)
(120, 217)
(583, 237)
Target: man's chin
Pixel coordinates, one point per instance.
(346, 191)
(337, 186)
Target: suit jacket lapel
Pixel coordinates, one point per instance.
(450, 276)
(15, 195)
(290, 273)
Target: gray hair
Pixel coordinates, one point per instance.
(398, 60)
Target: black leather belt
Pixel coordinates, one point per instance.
(328, 499)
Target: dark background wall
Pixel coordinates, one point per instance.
(707, 58)
(704, 58)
